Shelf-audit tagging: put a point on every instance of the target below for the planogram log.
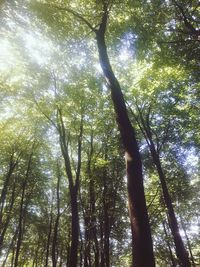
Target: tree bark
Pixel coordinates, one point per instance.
(12, 165)
(179, 245)
(49, 238)
(169, 246)
(90, 217)
(4, 226)
(188, 243)
(141, 235)
(11, 247)
(55, 235)
(73, 186)
(20, 225)
(106, 220)
(145, 127)
(23, 208)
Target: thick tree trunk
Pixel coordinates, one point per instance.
(141, 235)
(179, 245)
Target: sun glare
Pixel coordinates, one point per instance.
(6, 55)
(37, 48)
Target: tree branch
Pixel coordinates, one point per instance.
(75, 14)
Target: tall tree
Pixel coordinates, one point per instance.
(141, 233)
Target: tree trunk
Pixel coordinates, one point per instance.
(11, 247)
(55, 235)
(181, 252)
(169, 246)
(20, 225)
(73, 185)
(141, 235)
(106, 221)
(7, 220)
(73, 260)
(12, 165)
(90, 217)
(49, 238)
(188, 243)
(102, 258)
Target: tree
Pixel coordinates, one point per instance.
(54, 93)
(137, 205)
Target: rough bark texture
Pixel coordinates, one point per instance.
(142, 241)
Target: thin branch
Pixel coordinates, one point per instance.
(75, 14)
(138, 122)
(154, 197)
(45, 115)
(165, 136)
(187, 22)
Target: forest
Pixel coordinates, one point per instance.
(99, 133)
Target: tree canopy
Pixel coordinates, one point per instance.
(99, 138)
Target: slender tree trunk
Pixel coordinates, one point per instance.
(73, 185)
(102, 259)
(55, 235)
(169, 246)
(54, 243)
(141, 235)
(12, 166)
(107, 239)
(75, 230)
(20, 226)
(61, 257)
(68, 255)
(7, 220)
(181, 252)
(35, 257)
(49, 238)
(23, 208)
(87, 239)
(188, 243)
(11, 246)
(179, 245)
(106, 227)
(90, 217)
